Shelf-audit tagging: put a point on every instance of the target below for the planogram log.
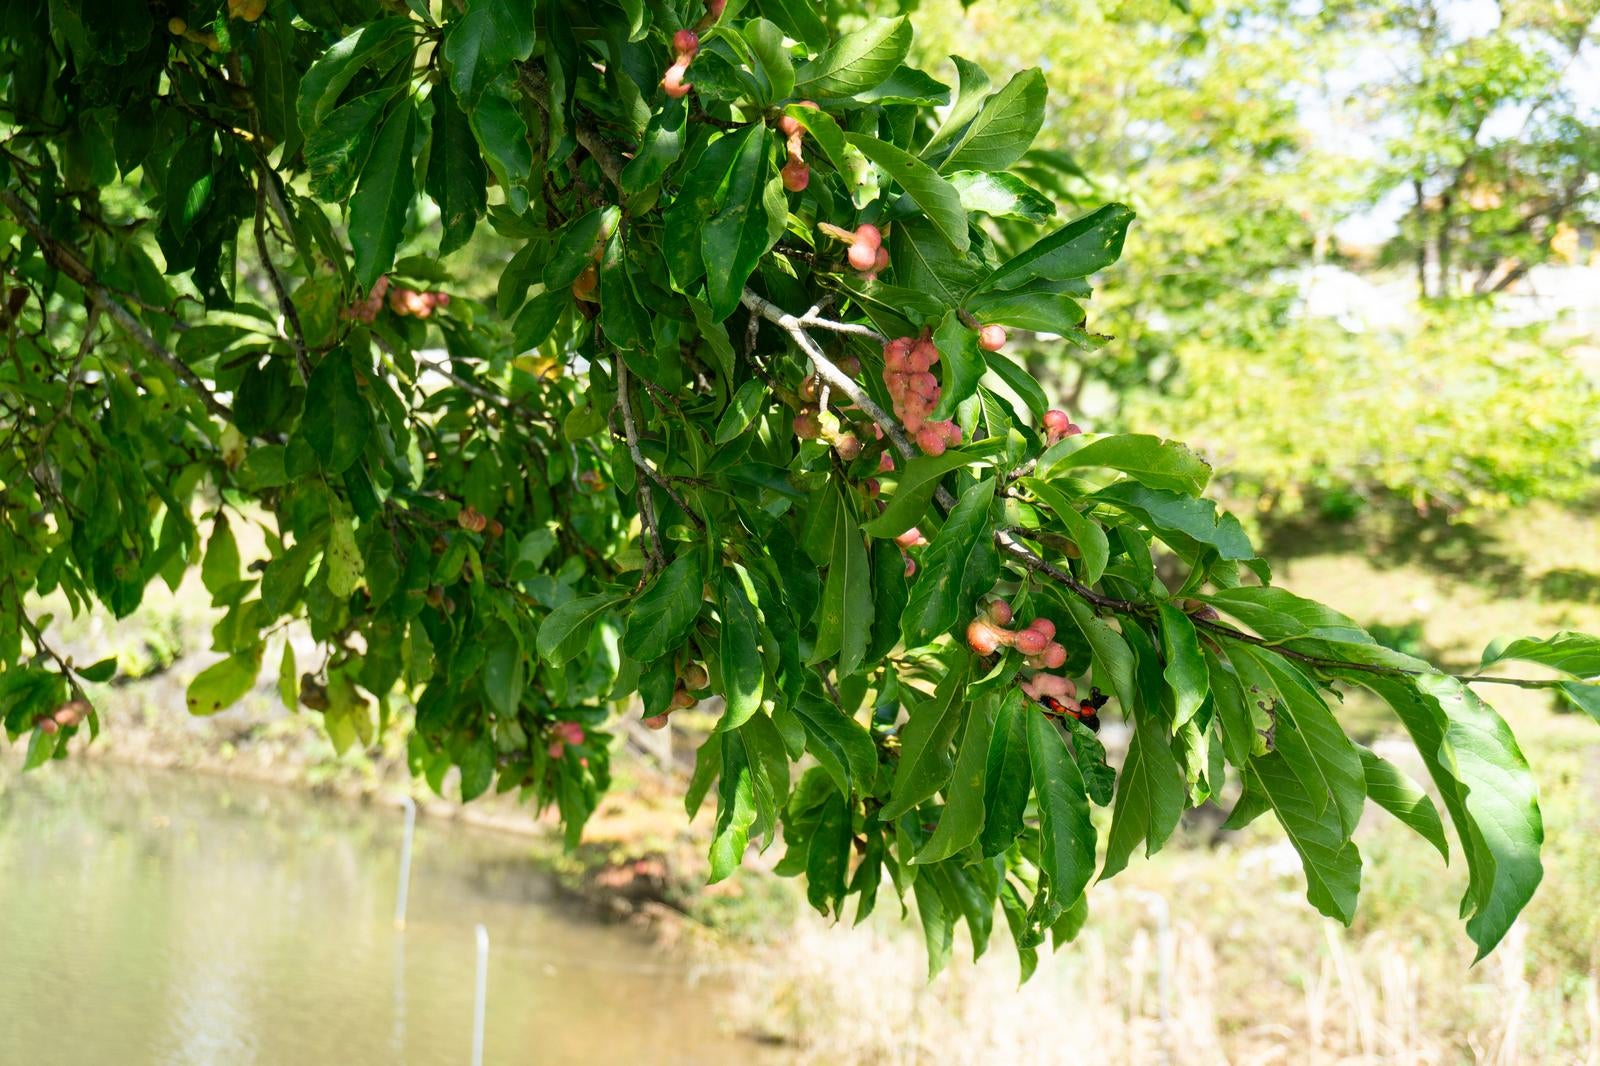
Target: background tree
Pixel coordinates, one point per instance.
(737, 422)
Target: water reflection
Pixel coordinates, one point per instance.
(154, 917)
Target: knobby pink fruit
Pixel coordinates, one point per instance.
(686, 43)
(870, 235)
(1045, 626)
(1055, 656)
(556, 749)
(1031, 642)
(992, 338)
(862, 256)
(656, 721)
(848, 446)
(982, 638)
(930, 440)
(1060, 688)
(998, 612)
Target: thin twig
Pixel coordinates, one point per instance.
(291, 316)
(647, 504)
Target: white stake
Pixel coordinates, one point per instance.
(404, 887)
(483, 994)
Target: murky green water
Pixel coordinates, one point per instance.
(150, 917)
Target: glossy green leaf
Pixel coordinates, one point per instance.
(1160, 464)
(956, 568)
(660, 617)
(223, 684)
(337, 419)
(925, 758)
(963, 814)
(743, 672)
(1093, 548)
(743, 223)
(919, 479)
(1330, 859)
(1086, 244)
(1003, 128)
(935, 196)
(383, 196)
(1066, 835)
(456, 179)
(856, 62)
(1149, 796)
(1390, 788)
(1185, 672)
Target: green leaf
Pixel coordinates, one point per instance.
(483, 43)
(857, 62)
(383, 196)
(1180, 519)
(1093, 549)
(1390, 788)
(337, 419)
(660, 147)
(505, 673)
(503, 136)
(844, 623)
(962, 362)
(1030, 309)
(576, 249)
(1160, 464)
(1279, 615)
(973, 86)
(1008, 776)
(959, 566)
(918, 482)
(1486, 787)
(743, 672)
(937, 198)
(938, 923)
(1330, 859)
(1112, 660)
(341, 558)
(736, 807)
(1020, 382)
(566, 630)
(1001, 196)
(190, 178)
(1577, 654)
(740, 229)
(1149, 796)
(222, 684)
(925, 760)
(457, 179)
(1066, 835)
(1185, 672)
(477, 767)
(1305, 732)
(771, 58)
(1086, 244)
(380, 44)
(660, 617)
(747, 403)
(963, 814)
(1004, 127)
(842, 747)
(907, 85)
(828, 856)
(336, 150)
(220, 569)
(289, 678)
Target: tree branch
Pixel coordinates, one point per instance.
(647, 503)
(69, 264)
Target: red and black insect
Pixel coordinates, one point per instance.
(1086, 711)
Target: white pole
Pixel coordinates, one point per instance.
(483, 993)
(404, 887)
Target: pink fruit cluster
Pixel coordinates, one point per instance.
(565, 733)
(685, 43)
(402, 301)
(987, 633)
(693, 678)
(908, 373)
(1057, 426)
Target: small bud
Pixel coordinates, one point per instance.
(656, 721)
(556, 749)
(849, 365)
(992, 338)
(806, 426)
(998, 612)
(848, 446)
(695, 677)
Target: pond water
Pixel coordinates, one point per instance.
(153, 917)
